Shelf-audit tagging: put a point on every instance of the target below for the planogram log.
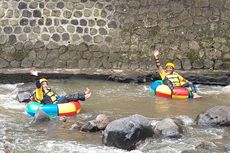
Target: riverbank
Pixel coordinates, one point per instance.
(206, 77)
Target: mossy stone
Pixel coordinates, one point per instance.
(76, 37)
(87, 13)
(77, 14)
(98, 39)
(96, 13)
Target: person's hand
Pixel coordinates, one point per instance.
(34, 72)
(156, 52)
(87, 93)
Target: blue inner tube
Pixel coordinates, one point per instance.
(50, 109)
(154, 85)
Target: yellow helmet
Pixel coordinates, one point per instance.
(43, 80)
(170, 64)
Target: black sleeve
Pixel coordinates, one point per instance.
(37, 82)
(76, 96)
(81, 96)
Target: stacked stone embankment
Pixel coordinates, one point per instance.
(111, 34)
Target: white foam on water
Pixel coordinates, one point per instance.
(10, 86)
(74, 147)
(194, 137)
(146, 88)
(166, 149)
(165, 145)
(198, 136)
(8, 98)
(226, 89)
(210, 90)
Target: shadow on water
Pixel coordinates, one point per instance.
(115, 100)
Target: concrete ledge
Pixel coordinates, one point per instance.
(209, 77)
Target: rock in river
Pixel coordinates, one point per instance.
(124, 133)
(216, 116)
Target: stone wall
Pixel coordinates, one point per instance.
(194, 34)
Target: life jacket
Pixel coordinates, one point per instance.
(49, 97)
(174, 78)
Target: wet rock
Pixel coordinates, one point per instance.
(89, 127)
(24, 97)
(75, 126)
(206, 145)
(227, 148)
(167, 128)
(184, 120)
(7, 149)
(216, 116)
(126, 132)
(101, 121)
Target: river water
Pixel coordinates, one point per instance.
(115, 100)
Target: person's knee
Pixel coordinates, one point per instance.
(167, 82)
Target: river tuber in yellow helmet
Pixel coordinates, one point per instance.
(43, 80)
(170, 64)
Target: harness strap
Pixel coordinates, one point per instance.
(50, 94)
(174, 78)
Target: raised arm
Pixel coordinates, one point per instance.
(37, 82)
(158, 64)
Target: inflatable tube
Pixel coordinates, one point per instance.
(161, 90)
(154, 85)
(65, 109)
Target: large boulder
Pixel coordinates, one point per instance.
(124, 133)
(216, 116)
(167, 128)
(24, 97)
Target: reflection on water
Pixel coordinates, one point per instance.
(111, 98)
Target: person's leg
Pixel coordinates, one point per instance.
(167, 82)
(62, 99)
(74, 97)
(193, 88)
